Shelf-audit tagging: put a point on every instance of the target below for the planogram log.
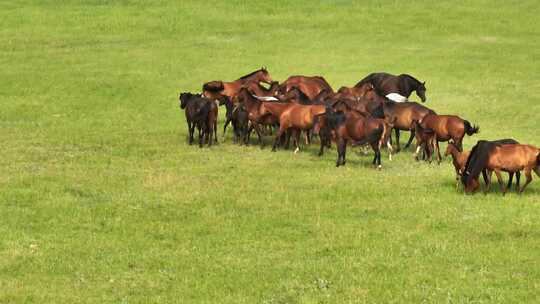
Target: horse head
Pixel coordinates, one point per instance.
(184, 98)
(264, 76)
(421, 91)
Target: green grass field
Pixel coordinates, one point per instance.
(103, 201)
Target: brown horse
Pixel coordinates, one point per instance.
(403, 84)
(356, 129)
(459, 159)
(425, 140)
(510, 158)
(218, 89)
(404, 114)
(297, 118)
(357, 109)
(309, 85)
(256, 113)
(258, 90)
(448, 127)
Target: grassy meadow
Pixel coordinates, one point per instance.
(103, 201)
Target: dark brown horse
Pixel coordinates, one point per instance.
(448, 127)
(218, 89)
(510, 158)
(403, 84)
(201, 113)
(309, 85)
(355, 129)
(353, 113)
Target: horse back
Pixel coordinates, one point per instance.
(513, 157)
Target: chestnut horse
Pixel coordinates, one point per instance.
(476, 162)
(297, 117)
(459, 159)
(510, 158)
(256, 114)
(404, 114)
(448, 127)
(217, 89)
(309, 85)
(403, 84)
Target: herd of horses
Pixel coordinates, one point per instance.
(362, 115)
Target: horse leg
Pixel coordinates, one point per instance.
(191, 127)
(341, 145)
(410, 139)
(297, 140)
(510, 178)
(259, 135)
(439, 157)
(200, 137)
(307, 135)
(397, 140)
(277, 139)
(518, 175)
(528, 178)
(500, 180)
(486, 174)
(215, 132)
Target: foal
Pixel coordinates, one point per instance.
(459, 160)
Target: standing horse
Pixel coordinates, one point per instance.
(309, 85)
(298, 118)
(217, 89)
(402, 85)
(201, 113)
(459, 160)
(256, 114)
(404, 114)
(356, 129)
(448, 127)
(512, 159)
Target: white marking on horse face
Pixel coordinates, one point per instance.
(397, 97)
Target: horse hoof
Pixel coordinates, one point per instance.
(296, 150)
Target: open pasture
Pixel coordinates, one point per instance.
(103, 201)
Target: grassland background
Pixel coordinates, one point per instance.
(102, 200)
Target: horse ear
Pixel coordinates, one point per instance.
(424, 83)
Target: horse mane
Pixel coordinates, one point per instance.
(476, 162)
(407, 76)
(252, 73)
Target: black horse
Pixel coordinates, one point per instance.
(403, 84)
(477, 160)
(201, 113)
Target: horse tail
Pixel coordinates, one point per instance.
(470, 130)
(374, 136)
(213, 86)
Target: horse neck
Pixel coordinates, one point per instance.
(252, 78)
(454, 152)
(409, 84)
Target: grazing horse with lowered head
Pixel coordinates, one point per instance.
(477, 162)
(448, 127)
(510, 158)
(201, 113)
(309, 85)
(402, 85)
(217, 89)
